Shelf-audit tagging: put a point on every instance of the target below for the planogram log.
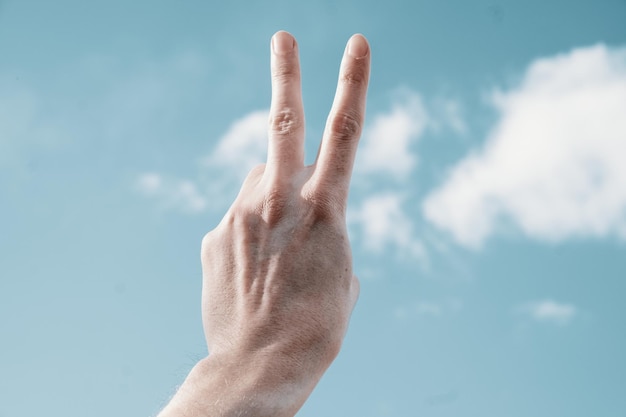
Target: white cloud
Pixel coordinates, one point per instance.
(181, 195)
(384, 223)
(554, 164)
(243, 146)
(150, 183)
(387, 150)
(549, 311)
(143, 101)
(386, 146)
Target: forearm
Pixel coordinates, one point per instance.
(247, 387)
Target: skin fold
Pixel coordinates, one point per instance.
(278, 286)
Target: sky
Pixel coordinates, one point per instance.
(487, 213)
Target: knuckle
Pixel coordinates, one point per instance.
(325, 209)
(267, 205)
(274, 206)
(325, 206)
(209, 241)
(285, 122)
(255, 175)
(257, 170)
(345, 126)
(333, 349)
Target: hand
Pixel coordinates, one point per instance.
(278, 286)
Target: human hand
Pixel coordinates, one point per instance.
(278, 287)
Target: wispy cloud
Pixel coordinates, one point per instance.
(553, 165)
(219, 174)
(180, 195)
(447, 112)
(429, 309)
(95, 102)
(242, 147)
(387, 155)
(26, 126)
(549, 311)
(385, 224)
(387, 146)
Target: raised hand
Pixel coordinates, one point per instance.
(278, 286)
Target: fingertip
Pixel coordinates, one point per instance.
(281, 33)
(283, 42)
(358, 47)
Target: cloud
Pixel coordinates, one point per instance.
(384, 223)
(386, 145)
(100, 103)
(432, 309)
(553, 166)
(150, 183)
(182, 195)
(387, 149)
(449, 112)
(388, 157)
(27, 127)
(549, 311)
(243, 146)
(387, 152)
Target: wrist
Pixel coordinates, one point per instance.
(259, 384)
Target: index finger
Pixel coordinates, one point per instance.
(285, 152)
(333, 167)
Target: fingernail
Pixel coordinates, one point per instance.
(357, 47)
(282, 42)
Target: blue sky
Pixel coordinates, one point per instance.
(487, 214)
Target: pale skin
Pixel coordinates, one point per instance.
(278, 286)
